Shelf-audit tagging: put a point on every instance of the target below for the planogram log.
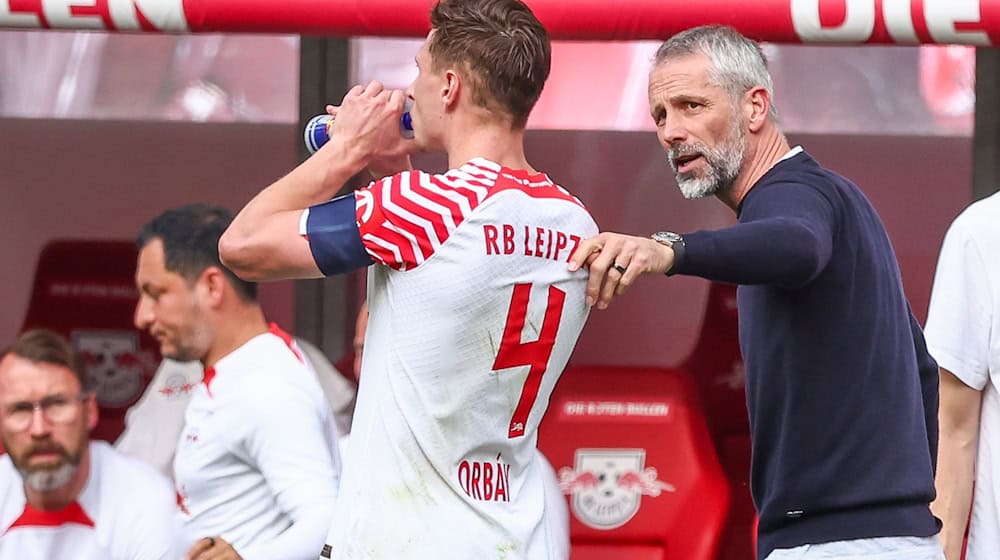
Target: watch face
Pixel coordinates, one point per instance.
(667, 238)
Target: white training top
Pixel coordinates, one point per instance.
(153, 425)
(257, 461)
(963, 335)
(473, 316)
(125, 512)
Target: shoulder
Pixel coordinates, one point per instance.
(266, 355)
(457, 190)
(979, 218)
(131, 483)
(796, 180)
(6, 468)
(272, 373)
(11, 488)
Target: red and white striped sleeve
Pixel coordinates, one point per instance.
(405, 218)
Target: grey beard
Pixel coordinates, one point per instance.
(47, 480)
(723, 165)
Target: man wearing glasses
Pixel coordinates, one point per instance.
(61, 495)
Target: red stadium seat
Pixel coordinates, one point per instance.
(86, 291)
(716, 365)
(636, 461)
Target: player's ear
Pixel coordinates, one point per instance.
(452, 89)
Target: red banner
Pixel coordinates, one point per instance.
(968, 22)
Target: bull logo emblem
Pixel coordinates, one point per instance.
(607, 485)
(112, 364)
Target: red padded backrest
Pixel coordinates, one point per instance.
(716, 365)
(636, 461)
(86, 291)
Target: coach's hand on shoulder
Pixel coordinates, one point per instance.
(615, 261)
(212, 548)
(367, 123)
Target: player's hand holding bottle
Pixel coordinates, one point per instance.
(368, 122)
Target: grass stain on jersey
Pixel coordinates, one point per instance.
(505, 550)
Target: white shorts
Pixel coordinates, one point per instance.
(881, 548)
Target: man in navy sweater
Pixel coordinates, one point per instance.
(841, 391)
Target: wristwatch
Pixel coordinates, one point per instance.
(675, 242)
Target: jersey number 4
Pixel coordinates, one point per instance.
(514, 353)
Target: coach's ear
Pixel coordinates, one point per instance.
(756, 108)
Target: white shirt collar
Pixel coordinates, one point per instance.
(791, 153)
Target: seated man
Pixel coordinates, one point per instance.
(62, 496)
(257, 464)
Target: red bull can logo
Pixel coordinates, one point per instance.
(607, 485)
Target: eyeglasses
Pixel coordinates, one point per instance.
(58, 409)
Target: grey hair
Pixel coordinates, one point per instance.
(738, 63)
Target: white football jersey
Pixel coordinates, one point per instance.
(257, 461)
(124, 512)
(153, 425)
(473, 316)
(963, 335)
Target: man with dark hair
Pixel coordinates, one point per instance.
(62, 496)
(257, 464)
(842, 392)
(473, 314)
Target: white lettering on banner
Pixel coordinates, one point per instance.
(860, 16)
(616, 408)
(9, 18)
(942, 15)
(92, 290)
(857, 27)
(163, 15)
(898, 21)
(59, 13)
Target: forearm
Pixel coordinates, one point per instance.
(783, 252)
(301, 541)
(956, 461)
(959, 435)
(315, 180)
(262, 243)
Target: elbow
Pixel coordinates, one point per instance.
(238, 253)
(959, 431)
(801, 271)
(806, 260)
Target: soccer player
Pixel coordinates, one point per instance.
(473, 314)
(62, 496)
(257, 462)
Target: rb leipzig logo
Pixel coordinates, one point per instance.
(608, 484)
(112, 364)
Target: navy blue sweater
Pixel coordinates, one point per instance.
(841, 391)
